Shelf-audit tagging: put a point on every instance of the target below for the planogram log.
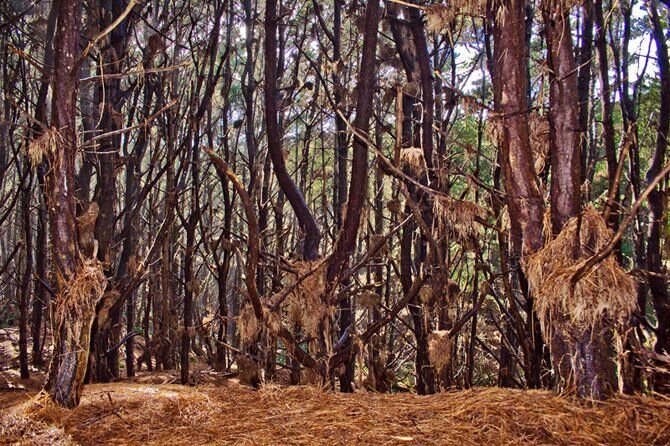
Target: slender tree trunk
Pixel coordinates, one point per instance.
(41, 294)
(607, 120)
(657, 215)
(584, 55)
(294, 196)
(346, 240)
(26, 280)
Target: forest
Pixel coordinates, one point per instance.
(340, 222)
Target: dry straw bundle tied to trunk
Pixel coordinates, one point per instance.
(539, 139)
(440, 16)
(84, 289)
(248, 324)
(607, 293)
(369, 300)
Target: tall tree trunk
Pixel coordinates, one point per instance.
(80, 278)
(658, 286)
(584, 55)
(109, 309)
(525, 204)
(580, 355)
(294, 196)
(41, 294)
(607, 120)
(26, 280)
(40, 297)
(346, 239)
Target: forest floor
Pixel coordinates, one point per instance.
(150, 410)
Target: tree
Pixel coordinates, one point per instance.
(81, 281)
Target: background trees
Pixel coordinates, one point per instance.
(426, 151)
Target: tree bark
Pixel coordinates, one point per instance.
(658, 286)
(346, 239)
(74, 312)
(294, 196)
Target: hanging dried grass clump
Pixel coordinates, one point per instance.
(453, 290)
(539, 139)
(438, 17)
(83, 291)
(43, 144)
(411, 158)
(369, 300)
(494, 128)
(394, 205)
(456, 217)
(248, 324)
(428, 294)
(380, 242)
(306, 305)
(606, 293)
(439, 349)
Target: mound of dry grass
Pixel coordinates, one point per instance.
(123, 413)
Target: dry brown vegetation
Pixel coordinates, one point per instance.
(132, 413)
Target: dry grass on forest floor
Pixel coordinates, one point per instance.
(128, 413)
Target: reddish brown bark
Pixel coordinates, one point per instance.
(74, 314)
(510, 85)
(658, 286)
(358, 184)
(525, 204)
(564, 128)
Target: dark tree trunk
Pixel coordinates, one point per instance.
(26, 280)
(40, 297)
(584, 55)
(658, 286)
(74, 312)
(607, 121)
(41, 294)
(357, 186)
(306, 220)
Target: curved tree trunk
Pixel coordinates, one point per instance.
(294, 196)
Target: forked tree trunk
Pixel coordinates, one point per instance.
(295, 197)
